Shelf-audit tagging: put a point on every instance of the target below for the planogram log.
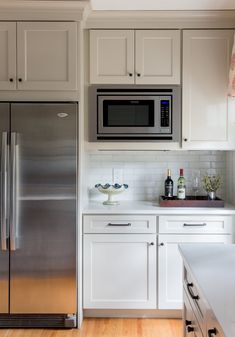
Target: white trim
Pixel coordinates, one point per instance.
(160, 19)
(44, 10)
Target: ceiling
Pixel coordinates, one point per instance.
(163, 4)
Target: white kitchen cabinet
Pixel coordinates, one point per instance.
(38, 56)
(7, 55)
(46, 55)
(170, 265)
(112, 56)
(157, 56)
(135, 56)
(119, 271)
(208, 122)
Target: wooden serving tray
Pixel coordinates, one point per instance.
(190, 201)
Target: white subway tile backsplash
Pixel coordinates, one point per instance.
(145, 172)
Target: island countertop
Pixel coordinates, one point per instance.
(213, 268)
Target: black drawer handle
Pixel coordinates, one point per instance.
(119, 224)
(194, 224)
(190, 329)
(187, 322)
(194, 297)
(212, 332)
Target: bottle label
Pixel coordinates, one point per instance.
(181, 193)
(169, 190)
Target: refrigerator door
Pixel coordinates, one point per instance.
(43, 208)
(4, 252)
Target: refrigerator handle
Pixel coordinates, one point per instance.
(4, 195)
(13, 208)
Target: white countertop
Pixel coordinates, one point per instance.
(213, 268)
(147, 207)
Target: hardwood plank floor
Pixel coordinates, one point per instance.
(108, 327)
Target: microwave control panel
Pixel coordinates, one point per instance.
(165, 113)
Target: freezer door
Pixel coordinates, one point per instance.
(4, 252)
(43, 208)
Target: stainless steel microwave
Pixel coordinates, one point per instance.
(124, 113)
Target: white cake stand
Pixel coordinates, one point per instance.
(111, 190)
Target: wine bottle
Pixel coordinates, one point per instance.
(181, 188)
(169, 185)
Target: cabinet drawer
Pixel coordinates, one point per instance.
(196, 299)
(195, 224)
(213, 327)
(119, 224)
(189, 319)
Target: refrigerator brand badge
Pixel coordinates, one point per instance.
(62, 114)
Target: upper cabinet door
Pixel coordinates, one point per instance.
(112, 56)
(47, 55)
(206, 59)
(7, 55)
(157, 57)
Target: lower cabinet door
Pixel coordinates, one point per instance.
(119, 271)
(170, 266)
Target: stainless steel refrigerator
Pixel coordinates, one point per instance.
(38, 214)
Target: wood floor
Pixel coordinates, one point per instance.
(108, 327)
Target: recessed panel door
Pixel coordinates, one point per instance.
(112, 56)
(47, 55)
(157, 57)
(7, 55)
(119, 271)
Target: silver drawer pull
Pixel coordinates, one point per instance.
(119, 224)
(194, 224)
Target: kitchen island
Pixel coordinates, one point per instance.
(209, 289)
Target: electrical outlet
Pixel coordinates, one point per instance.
(117, 176)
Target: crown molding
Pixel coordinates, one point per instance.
(161, 19)
(44, 10)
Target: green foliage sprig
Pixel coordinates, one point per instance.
(211, 183)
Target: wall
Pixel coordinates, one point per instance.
(145, 172)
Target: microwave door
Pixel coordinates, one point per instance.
(128, 115)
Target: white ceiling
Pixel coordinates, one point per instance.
(162, 4)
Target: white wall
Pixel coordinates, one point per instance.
(145, 172)
(162, 4)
